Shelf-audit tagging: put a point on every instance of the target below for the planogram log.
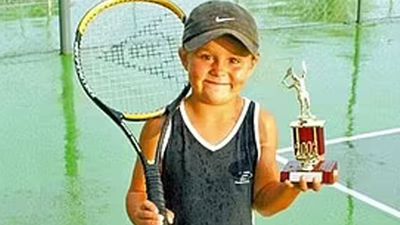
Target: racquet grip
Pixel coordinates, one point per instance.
(155, 192)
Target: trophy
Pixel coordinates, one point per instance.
(308, 139)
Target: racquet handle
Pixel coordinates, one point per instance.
(155, 190)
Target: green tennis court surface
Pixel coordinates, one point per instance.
(368, 178)
(63, 162)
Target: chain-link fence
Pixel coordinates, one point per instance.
(28, 26)
(32, 26)
(280, 14)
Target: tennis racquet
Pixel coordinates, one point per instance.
(126, 58)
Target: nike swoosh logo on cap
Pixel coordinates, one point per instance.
(223, 19)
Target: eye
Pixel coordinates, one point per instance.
(234, 60)
(205, 56)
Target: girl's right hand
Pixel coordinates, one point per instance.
(148, 214)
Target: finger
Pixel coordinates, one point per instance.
(170, 216)
(148, 205)
(289, 184)
(303, 184)
(148, 211)
(317, 186)
(146, 220)
(147, 215)
(149, 222)
(160, 219)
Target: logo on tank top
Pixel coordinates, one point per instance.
(241, 172)
(244, 177)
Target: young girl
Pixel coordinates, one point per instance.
(219, 161)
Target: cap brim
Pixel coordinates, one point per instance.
(202, 39)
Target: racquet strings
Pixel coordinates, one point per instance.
(129, 58)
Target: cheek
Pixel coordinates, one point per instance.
(195, 74)
(197, 69)
(242, 75)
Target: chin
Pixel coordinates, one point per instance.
(213, 100)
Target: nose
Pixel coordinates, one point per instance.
(218, 68)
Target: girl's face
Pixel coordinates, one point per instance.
(219, 70)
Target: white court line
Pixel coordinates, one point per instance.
(283, 150)
(368, 200)
(358, 195)
(353, 138)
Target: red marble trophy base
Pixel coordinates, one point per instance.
(325, 171)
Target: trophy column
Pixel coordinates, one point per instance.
(309, 151)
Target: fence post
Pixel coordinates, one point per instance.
(358, 12)
(65, 26)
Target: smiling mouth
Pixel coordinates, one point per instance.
(216, 83)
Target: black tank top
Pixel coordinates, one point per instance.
(206, 184)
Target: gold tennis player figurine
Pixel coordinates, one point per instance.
(299, 84)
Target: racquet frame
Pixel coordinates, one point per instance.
(151, 168)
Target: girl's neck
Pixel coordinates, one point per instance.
(206, 111)
(214, 123)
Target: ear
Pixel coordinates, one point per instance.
(254, 61)
(183, 55)
(253, 64)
